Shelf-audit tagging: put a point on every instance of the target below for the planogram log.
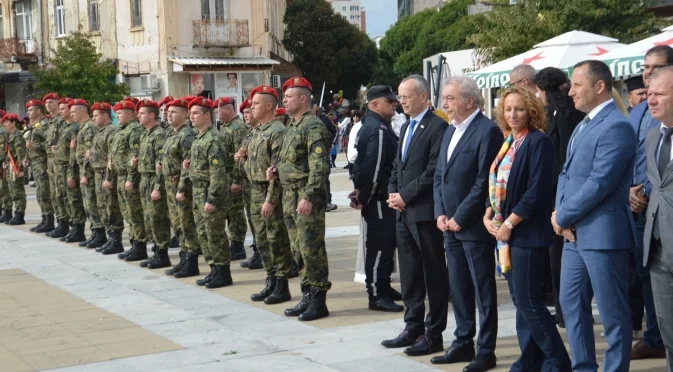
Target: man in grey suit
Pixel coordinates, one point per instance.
(658, 240)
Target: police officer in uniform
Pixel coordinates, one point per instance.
(376, 144)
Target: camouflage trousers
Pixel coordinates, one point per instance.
(210, 229)
(235, 217)
(157, 223)
(131, 208)
(182, 217)
(5, 193)
(58, 197)
(273, 242)
(307, 238)
(107, 203)
(18, 193)
(39, 170)
(90, 207)
(246, 203)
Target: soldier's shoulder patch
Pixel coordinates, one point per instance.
(318, 150)
(37, 125)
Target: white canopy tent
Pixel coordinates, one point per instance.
(628, 60)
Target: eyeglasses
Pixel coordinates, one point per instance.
(651, 67)
(508, 85)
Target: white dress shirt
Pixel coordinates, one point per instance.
(352, 152)
(598, 108)
(458, 134)
(418, 119)
(663, 129)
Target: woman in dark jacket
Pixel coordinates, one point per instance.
(562, 118)
(520, 195)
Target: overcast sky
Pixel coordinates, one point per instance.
(381, 14)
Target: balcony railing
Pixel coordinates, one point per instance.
(17, 48)
(228, 33)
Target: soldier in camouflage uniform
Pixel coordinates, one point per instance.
(52, 134)
(207, 171)
(176, 149)
(273, 242)
(157, 223)
(234, 130)
(14, 167)
(37, 160)
(125, 145)
(5, 193)
(302, 167)
(107, 199)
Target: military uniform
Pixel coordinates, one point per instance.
(234, 131)
(65, 167)
(84, 140)
(17, 148)
(255, 261)
(107, 200)
(37, 156)
(58, 197)
(208, 175)
(5, 193)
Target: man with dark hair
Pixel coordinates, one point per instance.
(651, 346)
(636, 90)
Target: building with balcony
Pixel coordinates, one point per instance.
(352, 11)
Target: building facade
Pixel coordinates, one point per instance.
(352, 11)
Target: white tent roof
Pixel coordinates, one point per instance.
(627, 61)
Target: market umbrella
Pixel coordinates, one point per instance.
(628, 61)
(562, 51)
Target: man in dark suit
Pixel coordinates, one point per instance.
(468, 149)
(422, 265)
(593, 214)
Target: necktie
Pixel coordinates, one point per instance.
(579, 130)
(410, 133)
(665, 152)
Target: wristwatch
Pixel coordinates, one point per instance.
(508, 225)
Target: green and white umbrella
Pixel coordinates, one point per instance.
(628, 61)
(562, 51)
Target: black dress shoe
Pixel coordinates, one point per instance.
(394, 295)
(455, 355)
(481, 363)
(385, 304)
(404, 339)
(425, 345)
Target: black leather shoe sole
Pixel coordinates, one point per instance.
(454, 356)
(395, 343)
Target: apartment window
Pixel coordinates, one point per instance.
(136, 13)
(2, 22)
(355, 8)
(24, 26)
(60, 18)
(94, 15)
(344, 9)
(214, 10)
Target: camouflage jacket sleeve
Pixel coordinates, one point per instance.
(237, 142)
(158, 155)
(19, 144)
(109, 141)
(134, 148)
(318, 164)
(87, 169)
(275, 144)
(184, 173)
(70, 169)
(217, 188)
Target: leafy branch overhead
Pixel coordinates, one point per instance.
(77, 70)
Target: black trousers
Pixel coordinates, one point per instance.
(555, 254)
(423, 271)
(380, 245)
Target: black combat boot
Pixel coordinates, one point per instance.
(148, 260)
(92, 236)
(48, 226)
(268, 289)
(294, 271)
(98, 238)
(61, 230)
(302, 305)
(106, 245)
(7, 215)
(208, 278)
(17, 220)
(317, 307)
(32, 229)
(222, 277)
(70, 232)
(116, 245)
(255, 253)
(77, 235)
(139, 252)
(123, 255)
(160, 259)
(281, 293)
(382, 301)
(254, 262)
(237, 251)
(179, 266)
(190, 267)
(174, 242)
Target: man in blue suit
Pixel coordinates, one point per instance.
(593, 213)
(651, 346)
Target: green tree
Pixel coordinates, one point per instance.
(77, 71)
(510, 30)
(327, 48)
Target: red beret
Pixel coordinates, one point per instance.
(188, 98)
(103, 106)
(7, 117)
(223, 101)
(50, 96)
(34, 102)
(264, 89)
(245, 105)
(3, 113)
(78, 102)
(147, 103)
(132, 99)
(201, 101)
(64, 100)
(124, 105)
(281, 111)
(165, 100)
(179, 103)
(297, 82)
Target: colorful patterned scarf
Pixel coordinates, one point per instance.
(497, 189)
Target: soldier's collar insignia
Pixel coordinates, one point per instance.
(216, 162)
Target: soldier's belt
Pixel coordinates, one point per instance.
(174, 180)
(200, 183)
(294, 185)
(260, 183)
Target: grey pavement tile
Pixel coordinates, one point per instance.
(253, 316)
(237, 347)
(344, 352)
(99, 294)
(107, 366)
(160, 315)
(389, 363)
(309, 339)
(206, 367)
(201, 338)
(171, 359)
(283, 361)
(192, 325)
(285, 328)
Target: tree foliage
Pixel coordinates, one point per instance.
(78, 71)
(510, 30)
(327, 48)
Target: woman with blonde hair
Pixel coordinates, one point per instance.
(521, 203)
